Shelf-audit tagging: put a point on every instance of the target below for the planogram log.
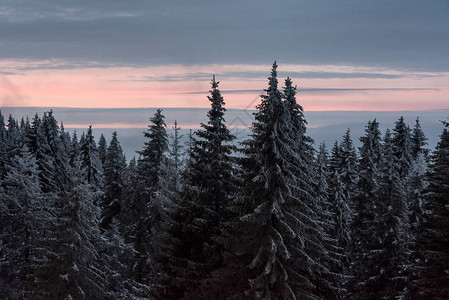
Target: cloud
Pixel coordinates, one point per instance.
(402, 34)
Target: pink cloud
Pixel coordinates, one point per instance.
(30, 84)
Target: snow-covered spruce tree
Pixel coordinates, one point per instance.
(37, 142)
(402, 147)
(416, 186)
(277, 249)
(114, 167)
(364, 203)
(57, 150)
(433, 234)
(390, 272)
(189, 250)
(348, 167)
(74, 153)
(143, 212)
(69, 268)
(380, 248)
(418, 141)
(102, 147)
(176, 154)
(90, 162)
(21, 217)
(3, 154)
(328, 220)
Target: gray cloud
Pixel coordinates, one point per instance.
(402, 34)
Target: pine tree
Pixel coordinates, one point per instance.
(38, 144)
(348, 167)
(145, 207)
(102, 147)
(176, 154)
(364, 203)
(69, 269)
(277, 245)
(74, 153)
(3, 141)
(90, 162)
(57, 151)
(190, 251)
(418, 140)
(21, 217)
(402, 147)
(390, 272)
(114, 166)
(433, 235)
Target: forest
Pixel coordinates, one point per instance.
(273, 217)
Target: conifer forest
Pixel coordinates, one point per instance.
(278, 216)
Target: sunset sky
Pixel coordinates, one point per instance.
(343, 55)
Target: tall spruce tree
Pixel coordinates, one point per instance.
(432, 280)
(69, 268)
(277, 250)
(189, 250)
(102, 148)
(402, 147)
(145, 208)
(90, 162)
(364, 203)
(348, 165)
(418, 140)
(390, 272)
(114, 167)
(21, 216)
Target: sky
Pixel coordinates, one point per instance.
(343, 55)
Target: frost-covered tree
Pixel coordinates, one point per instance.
(348, 165)
(74, 153)
(416, 186)
(402, 147)
(194, 222)
(142, 215)
(390, 271)
(380, 247)
(114, 167)
(21, 216)
(277, 250)
(364, 204)
(38, 144)
(418, 140)
(432, 280)
(90, 162)
(69, 268)
(102, 148)
(176, 154)
(57, 149)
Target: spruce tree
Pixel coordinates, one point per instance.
(433, 236)
(418, 140)
(69, 268)
(277, 250)
(90, 162)
(102, 148)
(145, 208)
(190, 251)
(114, 167)
(21, 216)
(402, 147)
(57, 150)
(364, 203)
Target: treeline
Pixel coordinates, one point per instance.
(270, 218)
